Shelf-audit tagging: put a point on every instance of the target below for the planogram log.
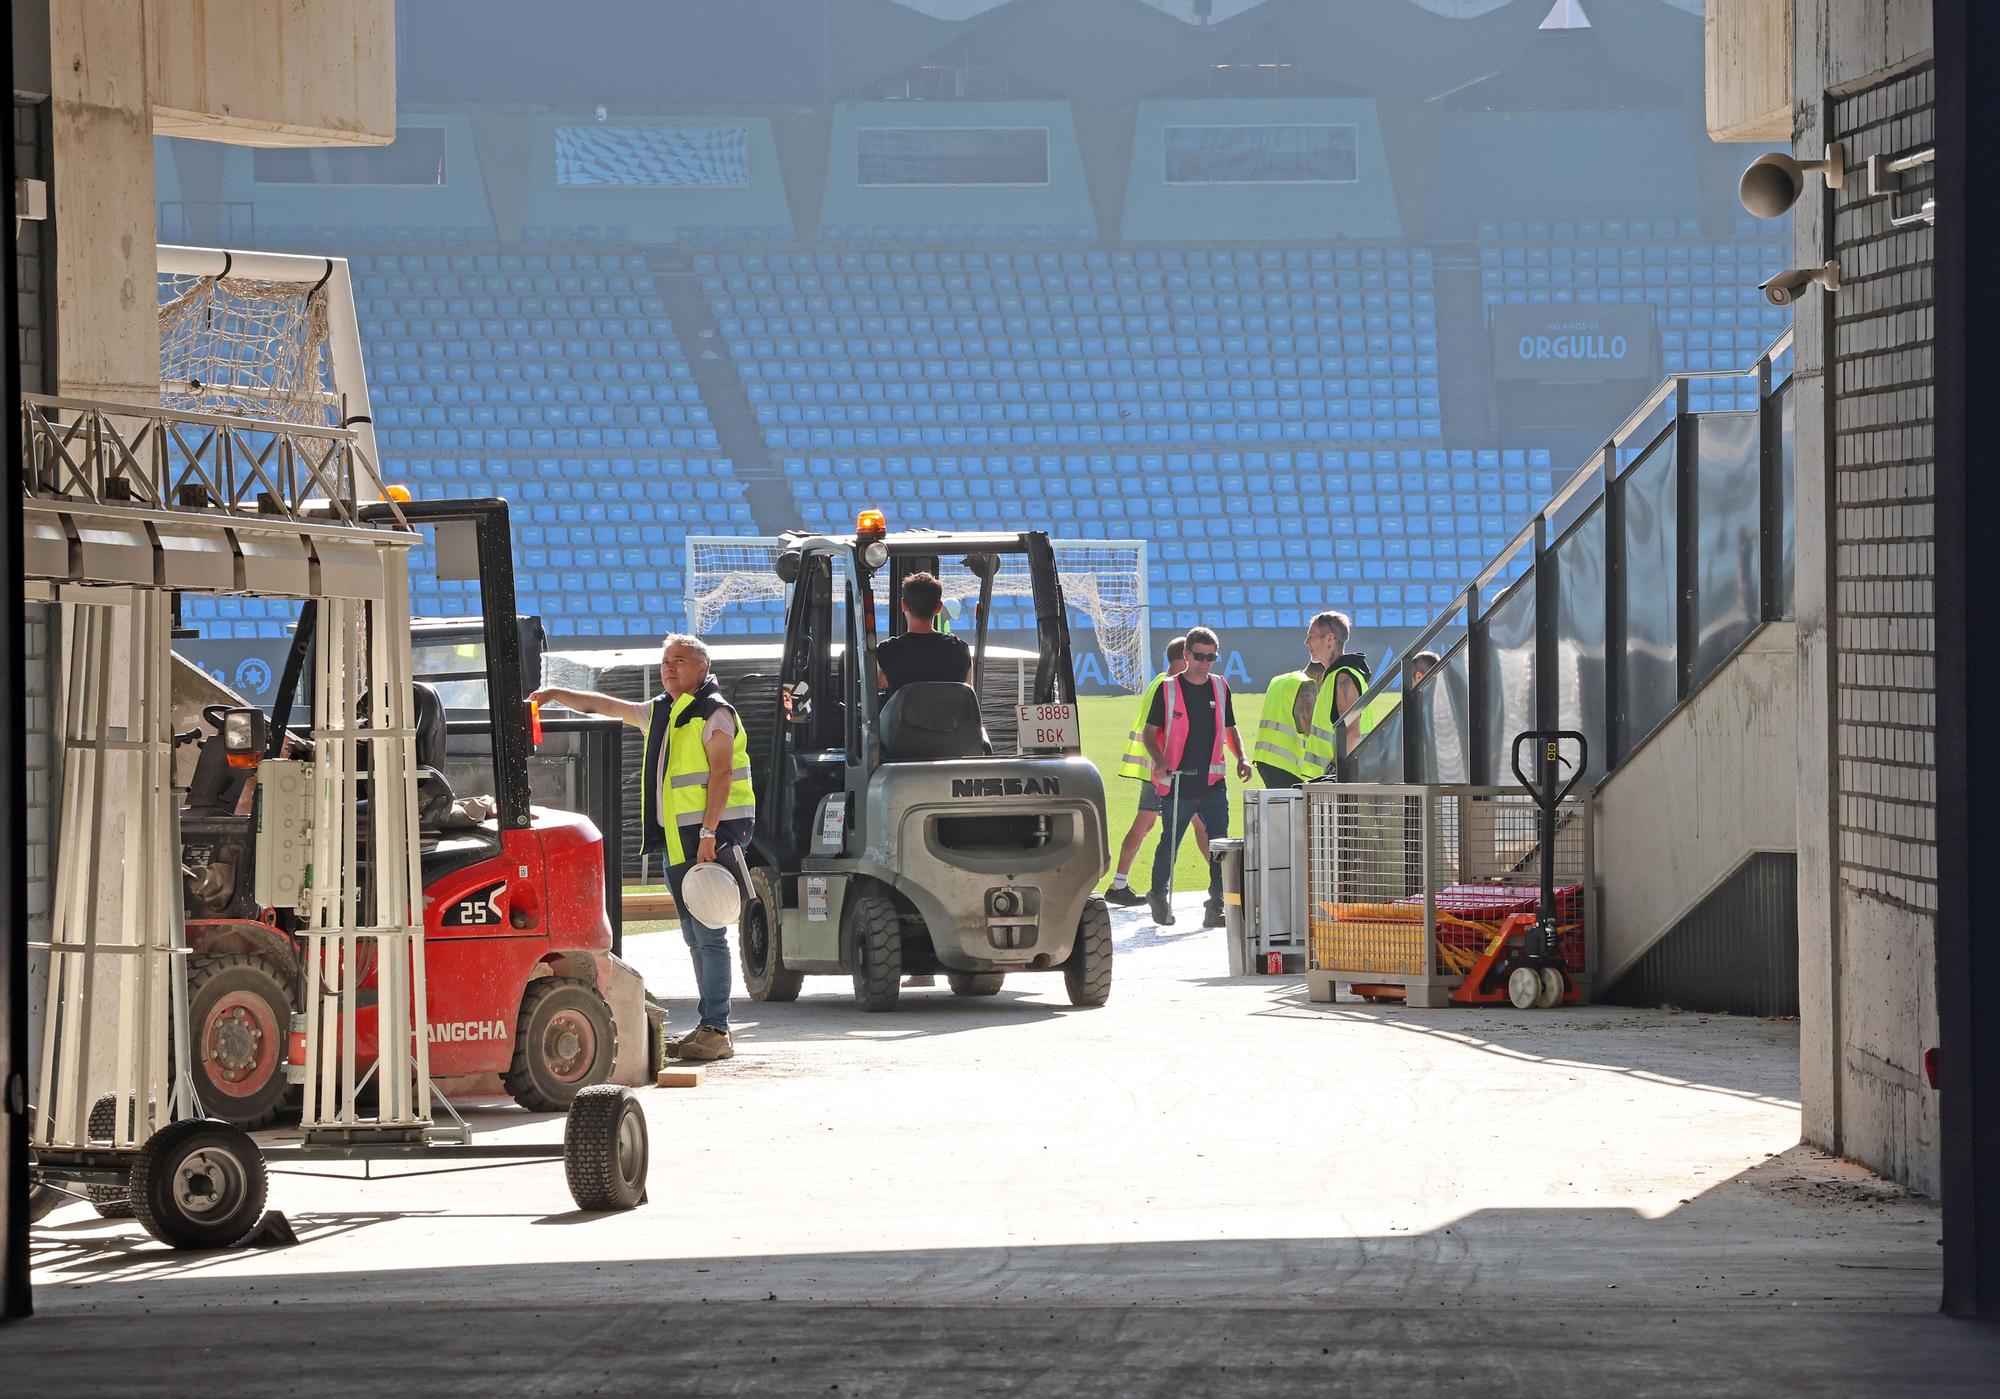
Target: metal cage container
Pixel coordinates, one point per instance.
(1407, 885)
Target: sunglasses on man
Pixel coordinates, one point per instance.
(1204, 656)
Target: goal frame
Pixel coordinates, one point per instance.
(1139, 547)
(350, 376)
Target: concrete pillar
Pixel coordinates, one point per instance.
(107, 270)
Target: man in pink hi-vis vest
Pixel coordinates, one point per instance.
(1187, 729)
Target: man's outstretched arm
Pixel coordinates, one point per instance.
(590, 702)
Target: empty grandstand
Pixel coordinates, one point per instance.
(1321, 337)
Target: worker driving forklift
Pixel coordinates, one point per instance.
(894, 834)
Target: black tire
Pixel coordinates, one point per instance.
(198, 1183)
(1087, 972)
(877, 930)
(110, 1201)
(761, 953)
(605, 1149)
(43, 1201)
(241, 1008)
(564, 1042)
(975, 983)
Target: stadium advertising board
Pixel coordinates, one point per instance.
(1251, 656)
(1574, 344)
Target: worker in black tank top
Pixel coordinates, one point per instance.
(922, 652)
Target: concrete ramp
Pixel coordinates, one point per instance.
(1697, 845)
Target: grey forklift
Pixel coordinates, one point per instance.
(892, 838)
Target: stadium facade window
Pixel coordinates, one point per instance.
(653, 157)
(415, 157)
(951, 155)
(1319, 154)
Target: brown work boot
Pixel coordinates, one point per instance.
(705, 1045)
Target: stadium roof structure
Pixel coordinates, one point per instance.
(1103, 53)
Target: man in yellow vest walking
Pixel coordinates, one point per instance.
(1138, 766)
(697, 806)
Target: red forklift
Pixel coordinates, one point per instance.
(523, 978)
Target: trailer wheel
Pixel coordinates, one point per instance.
(43, 1201)
(110, 1201)
(975, 983)
(761, 953)
(564, 1042)
(241, 1008)
(878, 950)
(605, 1149)
(198, 1183)
(1087, 972)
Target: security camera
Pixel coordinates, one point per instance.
(1774, 182)
(1783, 289)
(603, 115)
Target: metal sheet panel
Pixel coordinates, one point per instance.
(1579, 565)
(1506, 651)
(347, 569)
(1380, 759)
(45, 546)
(196, 558)
(1728, 595)
(1440, 705)
(269, 562)
(1735, 953)
(112, 551)
(1646, 667)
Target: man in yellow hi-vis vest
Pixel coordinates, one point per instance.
(697, 806)
(1284, 727)
(1137, 765)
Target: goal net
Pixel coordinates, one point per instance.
(1103, 583)
(246, 348)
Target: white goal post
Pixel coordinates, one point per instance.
(1103, 583)
(265, 335)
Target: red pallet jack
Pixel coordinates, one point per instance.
(1523, 963)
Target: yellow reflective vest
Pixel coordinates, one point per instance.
(1279, 741)
(1137, 762)
(674, 808)
(1322, 745)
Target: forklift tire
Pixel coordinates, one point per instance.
(198, 1183)
(878, 950)
(241, 1007)
(605, 1149)
(762, 956)
(1087, 973)
(975, 983)
(564, 1042)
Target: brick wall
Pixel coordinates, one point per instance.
(1882, 614)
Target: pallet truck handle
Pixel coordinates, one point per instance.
(1554, 738)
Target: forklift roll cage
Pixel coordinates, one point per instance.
(802, 748)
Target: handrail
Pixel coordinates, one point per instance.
(1602, 468)
(144, 456)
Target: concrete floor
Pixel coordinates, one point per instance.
(1210, 1186)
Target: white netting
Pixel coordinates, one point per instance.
(1103, 581)
(246, 348)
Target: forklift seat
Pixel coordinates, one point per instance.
(430, 726)
(929, 720)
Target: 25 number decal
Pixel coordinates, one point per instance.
(478, 909)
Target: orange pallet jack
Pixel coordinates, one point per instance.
(1523, 964)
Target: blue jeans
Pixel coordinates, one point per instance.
(708, 948)
(1198, 797)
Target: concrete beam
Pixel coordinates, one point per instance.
(305, 73)
(1748, 69)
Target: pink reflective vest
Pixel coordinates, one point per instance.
(1175, 732)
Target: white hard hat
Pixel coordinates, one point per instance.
(712, 895)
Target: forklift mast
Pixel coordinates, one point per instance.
(474, 543)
